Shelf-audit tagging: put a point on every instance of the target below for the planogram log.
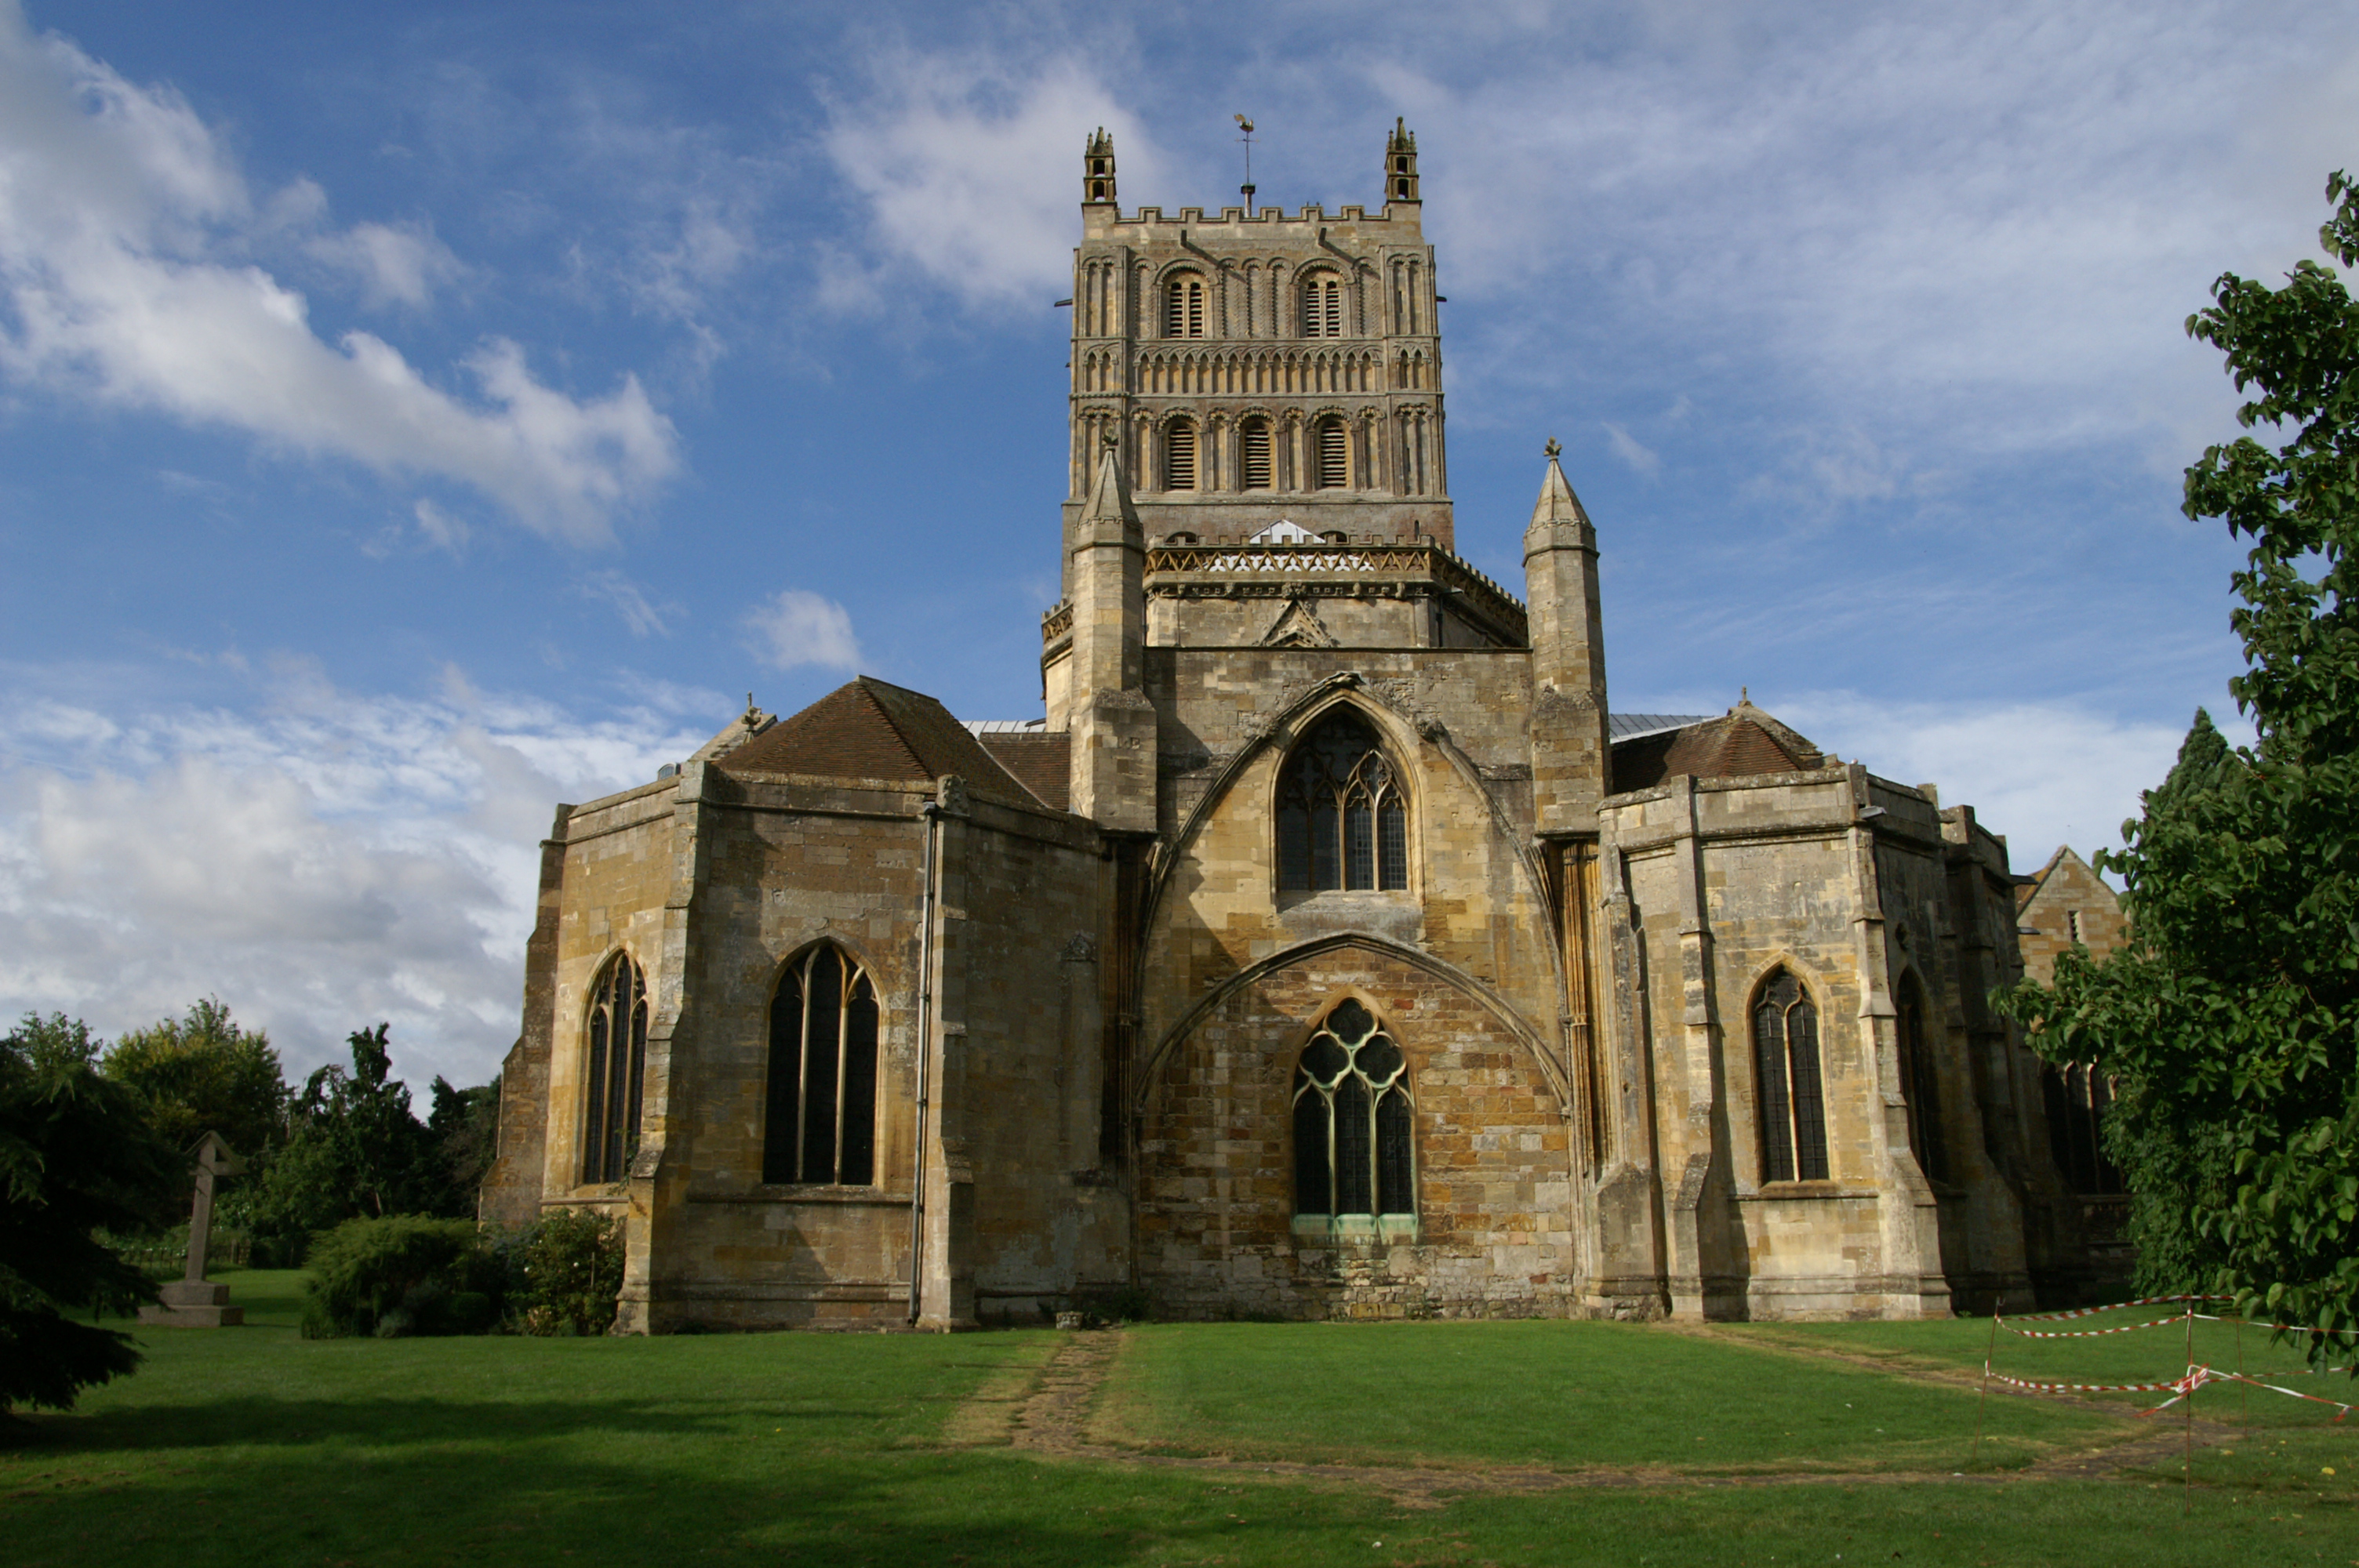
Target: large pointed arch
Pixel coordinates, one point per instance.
(614, 1061)
(1254, 974)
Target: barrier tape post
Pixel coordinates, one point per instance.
(2187, 1492)
(1997, 1307)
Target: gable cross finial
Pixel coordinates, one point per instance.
(1552, 450)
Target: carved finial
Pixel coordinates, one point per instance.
(1552, 450)
(1109, 440)
(1745, 694)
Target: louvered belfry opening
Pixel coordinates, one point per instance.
(1179, 456)
(1786, 1059)
(1183, 308)
(1342, 821)
(617, 1059)
(1334, 454)
(1322, 307)
(1253, 454)
(819, 1120)
(1355, 1123)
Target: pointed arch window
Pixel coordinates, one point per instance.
(1793, 1104)
(1355, 1123)
(616, 1050)
(1184, 306)
(1180, 455)
(1343, 822)
(1919, 1084)
(1332, 454)
(1323, 305)
(1254, 450)
(819, 1120)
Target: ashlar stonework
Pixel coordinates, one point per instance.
(936, 1023)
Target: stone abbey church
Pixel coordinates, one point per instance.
(1330, 950)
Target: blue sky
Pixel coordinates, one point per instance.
(411, 417)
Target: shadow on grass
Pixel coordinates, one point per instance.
(262, 1421)
(508, 1501)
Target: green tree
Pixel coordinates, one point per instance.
(464, 1127)
(204, 1074)
(354, 1148)
(2231, 1021)
(77, 1157)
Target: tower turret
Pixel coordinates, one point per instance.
(1570, 755)
(1111, 724)
(1097, 170)
(1400, 163)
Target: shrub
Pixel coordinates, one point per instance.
(402, 1275)
(569, 1271)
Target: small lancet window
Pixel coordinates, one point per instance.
(1253, 453)
(1919, 1085)
(1793, 1106)
(821, 1110)
(1179, 456)
(1333, 454)
(1322, 307)
(1342, 821)
(617, 1065)
(1354, 1123)
(1184, 306)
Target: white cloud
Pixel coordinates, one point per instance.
(339, 859)
(124, 227)
(1642, 458)
(401, 266)
(970, 163)
(613, 588)
(2041, 773)
(800, 628)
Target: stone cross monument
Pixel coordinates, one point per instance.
(192, 1301)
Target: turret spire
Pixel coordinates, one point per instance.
(1097, 168)
(1400, 163)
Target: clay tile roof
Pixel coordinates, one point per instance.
(872, 729)
(1741, 744)
(1040, 760)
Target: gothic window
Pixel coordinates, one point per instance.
(1333, 458)
(1253, 453)
(617, 1053)
(1184, 306)
(1353, 1125)
(1793, 1106)
(1919, 1083)
(1179, 456)
(2077, 1099)
(820, 1121)
(1323, 305)
(1341, 822)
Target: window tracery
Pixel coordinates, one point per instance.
(820, 1111)
(1792, 1101)
(1355, 1123)
(616, 1051)
(1343, 821)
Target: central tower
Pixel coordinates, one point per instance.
(1260, 365)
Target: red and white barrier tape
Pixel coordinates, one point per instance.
(2117, 1307)
(2177, 1389)
(2088, 1333)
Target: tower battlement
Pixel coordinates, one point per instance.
(1259, 366)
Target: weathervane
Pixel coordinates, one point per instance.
(1246, 190)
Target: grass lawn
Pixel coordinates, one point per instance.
(255, 1447)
